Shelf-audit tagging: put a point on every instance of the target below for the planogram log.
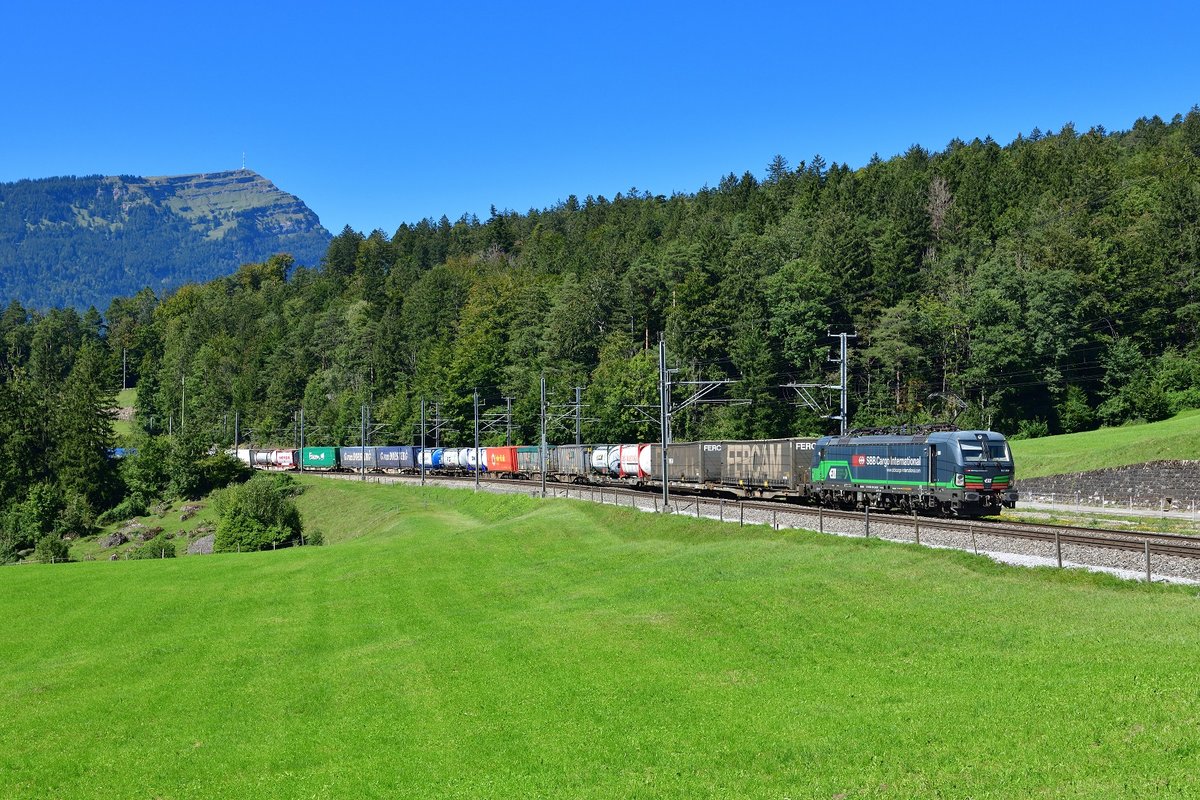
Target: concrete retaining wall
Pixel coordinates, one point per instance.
(1174, 485)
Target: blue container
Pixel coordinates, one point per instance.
(358, 457)
(398, 458)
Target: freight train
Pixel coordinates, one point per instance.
(934, 471)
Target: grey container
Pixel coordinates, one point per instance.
(767, 463)
(574, 460)
(684, 463)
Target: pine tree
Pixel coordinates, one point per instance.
(84, 431)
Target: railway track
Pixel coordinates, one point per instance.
(1050, 540)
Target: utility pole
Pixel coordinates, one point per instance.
(437, 425)
(421, 454)
(182, 402)
(578, 416)
(124, 382)
(477, 464)
(664, 393)
(508, 417)
(667, 408)
(362, 465)
(237, 432)
(302, 440)
(542, 449)
(843, 362)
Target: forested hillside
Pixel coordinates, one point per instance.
(81, 242)
(1051, 283)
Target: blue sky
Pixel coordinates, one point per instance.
(376, 114)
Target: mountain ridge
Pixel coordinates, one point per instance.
(80, 241)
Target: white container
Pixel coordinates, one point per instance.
(629, 460)
(614, 459)
(450, 458)
(645, 460)
(600, 459)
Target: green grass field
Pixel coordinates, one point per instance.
(453, 645)
(1175, 438)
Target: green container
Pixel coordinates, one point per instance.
(319, 458)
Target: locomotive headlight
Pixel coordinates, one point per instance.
(959, 479)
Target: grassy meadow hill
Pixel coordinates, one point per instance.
(1174, 438)
(447, 644)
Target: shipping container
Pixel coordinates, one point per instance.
(474, 457)
(431, 457)
(358, 457)
(464, 457)
(243, 455)
(529, 460)
(450, 458)
(600, 459)
(286, 459)
(645, 454)
(630, 464)
(502, 460)
(396, 458)
(572, 460)
(766, 464)
(614, 460)
(262, 458)
(319, 458)
(684, 463)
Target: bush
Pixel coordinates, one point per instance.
(76, 519)
(130, 507)
(51, 549)
(1031, 429)
(145, 471)
(258, 514)
(195, 471)
(158, 547)
(1074, 412)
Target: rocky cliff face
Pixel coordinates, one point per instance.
(82, 241)
(221, 200)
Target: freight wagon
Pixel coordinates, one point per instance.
(761, 468)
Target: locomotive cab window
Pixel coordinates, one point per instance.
(971, 451)
(984, 450)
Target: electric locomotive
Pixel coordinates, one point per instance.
(952, 472)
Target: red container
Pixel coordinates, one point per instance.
(502, 459)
